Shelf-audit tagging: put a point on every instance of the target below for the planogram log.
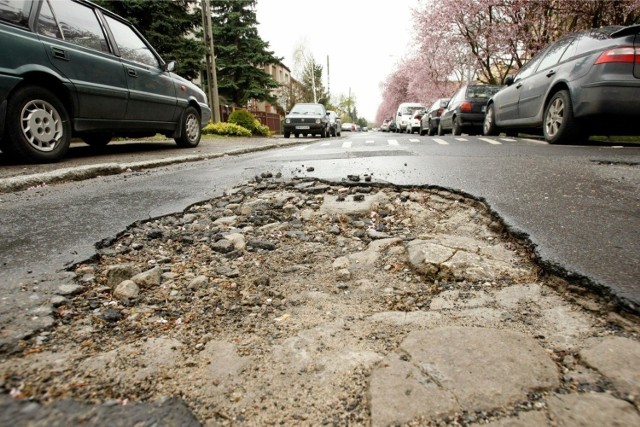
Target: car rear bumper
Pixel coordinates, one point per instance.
(609, 98)
(471, 119)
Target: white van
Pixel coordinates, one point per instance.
(405, 111)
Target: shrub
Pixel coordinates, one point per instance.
(260, 129)
(230, 129)
(243, 118)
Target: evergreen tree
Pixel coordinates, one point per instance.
(166, 24)
(240, 53)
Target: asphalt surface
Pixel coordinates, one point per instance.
(578, 205)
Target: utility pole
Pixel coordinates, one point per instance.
(210, 60)
(313, 79)
(328, 79)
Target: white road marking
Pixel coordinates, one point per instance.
(508, 139)
(369, 141)
(490, 141)
(325, 144)
(392, 142)
(414, 140)
(461, 139)
(440, 141)
(537, 141)
(346, 144)
(304, 147)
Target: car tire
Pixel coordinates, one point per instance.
(559, 125)
(287, 134)
(457, 128)
(440, 129)
(323, 133)
(97, 139)
(489, 127)
(431, 130)
(38, 128)
(190, 129)
(297, 135)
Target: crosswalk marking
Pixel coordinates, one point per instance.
(509, 139)
(440, 141)
(414, 140)
(490, 141)
(346, 144)
(461, 139)
(369, 141)
(392, 142)
(325, 144)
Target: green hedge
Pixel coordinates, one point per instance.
(247, 120)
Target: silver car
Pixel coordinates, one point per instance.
(583, 84)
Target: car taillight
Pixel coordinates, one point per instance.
(620, 54)
(465, 107)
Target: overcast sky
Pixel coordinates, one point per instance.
(363, 39)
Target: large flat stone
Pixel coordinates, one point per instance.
(617, 359)
(591, 409)
(435, 372)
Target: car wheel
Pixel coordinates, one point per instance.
(37, 125)
(323, 133)
(339, 133)
(559, 125)
(457, 128)
(190, 128)
(97, 139)
(287, 134)
(297, 135)
(440, 129)
(489, 127)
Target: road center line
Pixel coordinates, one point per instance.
(440, 141)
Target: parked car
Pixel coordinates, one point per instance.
(384, 127)
(335, 124)
(584, 83)
(393, 127)
(465, 110)
(404, 113)
(431, 119)
(414, 121)
(78, 70)
(307, 119)
(347, 127)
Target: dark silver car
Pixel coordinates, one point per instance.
(307, 119)
(585, 83)
(431, 119)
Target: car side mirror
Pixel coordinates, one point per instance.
(170, 66)
(508, 81)
(399, 114)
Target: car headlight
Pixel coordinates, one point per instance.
(287, 121)
(318, 121)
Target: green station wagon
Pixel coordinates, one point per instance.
(69, 68)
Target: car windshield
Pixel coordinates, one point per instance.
(307, 109)
(481, 92)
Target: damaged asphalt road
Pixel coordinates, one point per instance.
(309, 303)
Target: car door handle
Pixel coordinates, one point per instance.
(132, 72)
(551, 73)
(519, 85)
(59, 53)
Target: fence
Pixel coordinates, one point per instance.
(271, 120)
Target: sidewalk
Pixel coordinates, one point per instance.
(85, 162)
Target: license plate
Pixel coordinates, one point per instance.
(302, 127)
(484, 108)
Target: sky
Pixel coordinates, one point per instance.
(364, 39)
